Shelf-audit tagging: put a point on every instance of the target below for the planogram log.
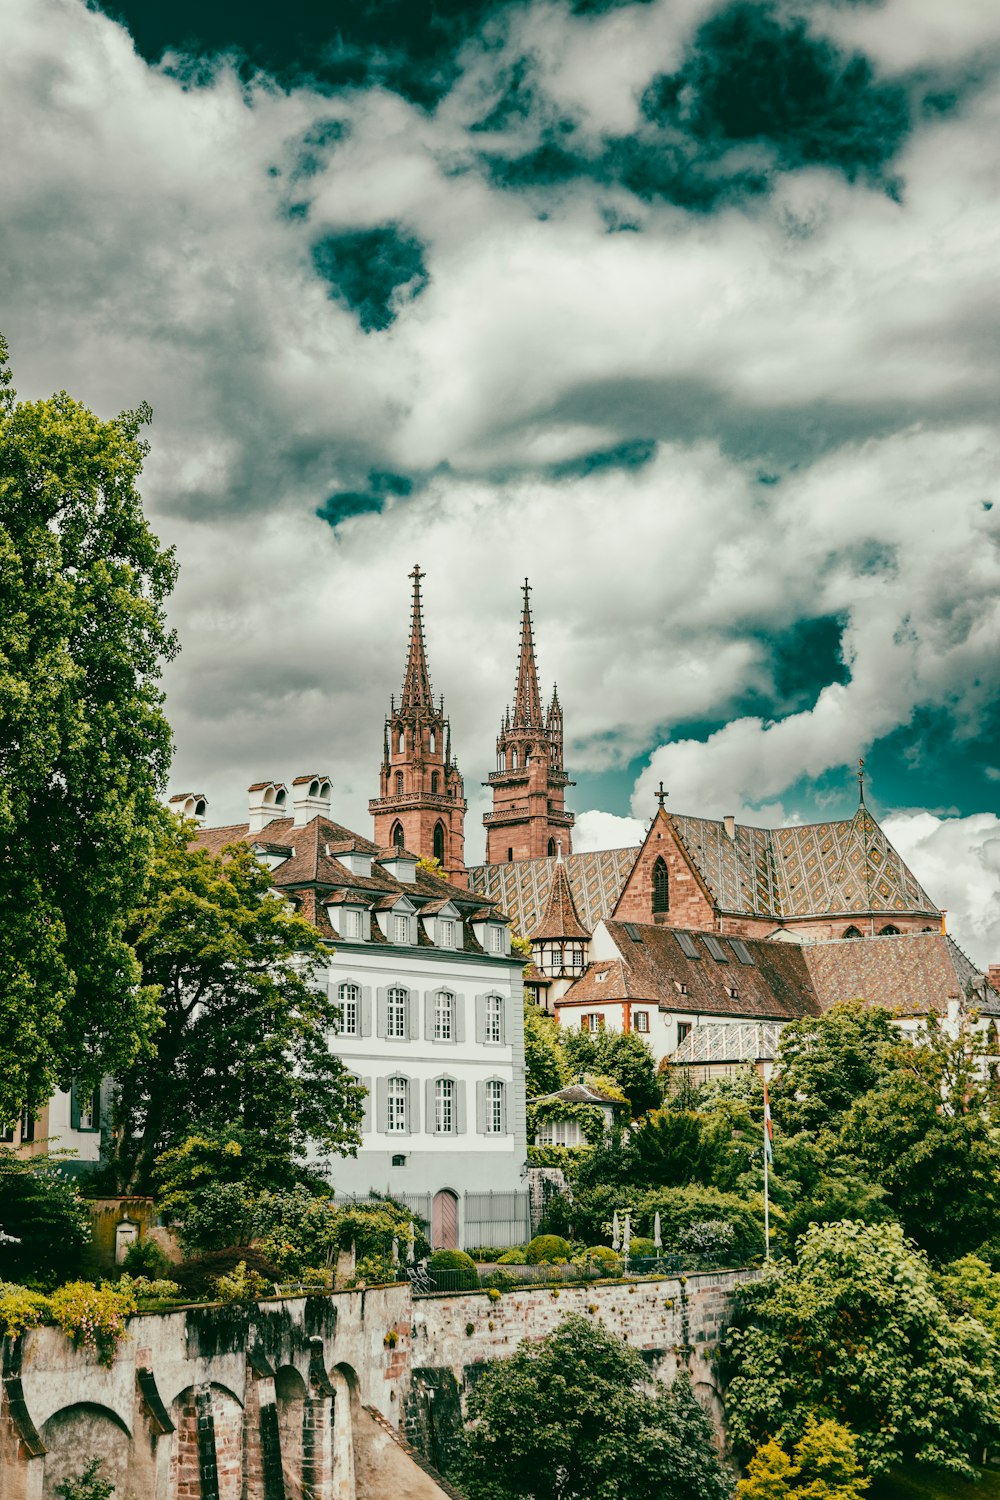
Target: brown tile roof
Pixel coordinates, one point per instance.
(577, 1093)
(914, 972)
(313, 862)
(559, 920)
(653, 965)
(522, 886)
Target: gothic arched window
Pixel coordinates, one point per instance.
(439, 842)
(889, 931)
(852, 932)
(435, 781)
(552, 847)
(399, 783)
(661, 885)
(401, 742)
(432, 742)
(396, 836)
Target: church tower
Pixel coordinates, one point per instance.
(421, 803)
(529, 818)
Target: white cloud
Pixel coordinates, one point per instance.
(601, 830)
(957, 860)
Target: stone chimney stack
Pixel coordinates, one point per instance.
(193, 805)
(730, 823)
(311, 798)
(268, 801)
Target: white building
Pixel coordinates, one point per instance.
(432, 1015)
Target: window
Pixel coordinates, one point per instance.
(446, 933)
(400, 929)
(561, 1133)
(438, 839)
(642, 1020)
(493, 1029)
(510, 856)
(7, 1135)
(496, 939)
(399, 783)
(352, 924)
(633, 932)
(852, 932)
(494, 1107)
(395, 1015)
(661, 885)
(732, 992)
(742, 952)
(444, 1106)
(687, 944)
(683, 1031)
(397, 1096)
(349, 996)
(435, 779)
(716, 949)
(431, 742)
(552, 848)
(85, 1109)
(401, 742)
(396, 837)
(889, 931)
(592, 1022)
(444, 1017)
(399, 1161)
(572, 961)
(27, 1127)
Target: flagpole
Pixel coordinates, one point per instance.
(767, 1163)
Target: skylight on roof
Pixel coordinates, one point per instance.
(715, 948)
(687, 943)
(742, 952)
(633, 932)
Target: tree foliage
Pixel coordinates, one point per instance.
(623, 1057)
(572, 1418)
(545, 1067)
(246, 1020)
(84, 745)
(823, 1466)
(46, 1219)
(826, 1062)
(856, 1332)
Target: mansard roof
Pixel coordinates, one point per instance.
(803, 870)
(522, 887)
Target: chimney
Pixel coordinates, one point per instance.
(193, 805)
(993, 977)
(730, 823)
(267, 802)
(311, 798)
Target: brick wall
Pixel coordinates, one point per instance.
(689, 906)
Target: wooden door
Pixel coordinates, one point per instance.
(444, 1221)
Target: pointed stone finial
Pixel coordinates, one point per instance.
(559, 858)
(861, 779)
(527, 699)
(661, 796)
(417, 691)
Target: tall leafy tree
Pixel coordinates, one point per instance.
(856, 1332)
(826, 1062)
(544, 1065)
(572, 1418)
(84, 745)
(623, 1057)
(246, 1022)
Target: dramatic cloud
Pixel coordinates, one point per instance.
(959, 863)
(685, 309)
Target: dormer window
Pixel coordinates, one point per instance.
(446, 933)
(400, 928)
(352, 923)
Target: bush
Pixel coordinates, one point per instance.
(21, 1309)
(517, 1255)
(498, 1281)
(45, 1213)
(601, 1255)
(197, 1277)
(94, 1317)
(147, 1288)
(590, 1214)
(144, 1259)
(241, 1285)
(86, 1485)
(451, 1260)
(640, 1246)
(548, 1248)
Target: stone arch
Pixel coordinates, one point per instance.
(710, 1401)
(396, 836)
(291, 1396)
(851, 932)
(209, 1435)
(889, 930)
(439, 842)
(77, 1433)
(346, 1407)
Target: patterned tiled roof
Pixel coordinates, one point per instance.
(522, 887)
(803, 870)
(559, 919)
(912, 972)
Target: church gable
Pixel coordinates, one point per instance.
(665, 882)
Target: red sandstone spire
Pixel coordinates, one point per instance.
(416, 680)
(527, 699)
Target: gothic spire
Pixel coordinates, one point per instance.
(417, 680)
(527, 701)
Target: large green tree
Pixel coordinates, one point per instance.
(621, 1056)
(246, 1022)
(856, 1332)
(84, 745)
(544, 1064)
(572, 1417)
(826, 1062)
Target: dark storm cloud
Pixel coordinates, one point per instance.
(372, 271)
(406, 45)
(380, 488)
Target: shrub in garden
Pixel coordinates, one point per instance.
(550, 1249)
(86, 1485)
(94, 1317)
(241, 1285)
(149, 1288)
(21, 1309)
(196, 1278)
(641, 1246)
(144, 1258)
(517, 1255)
(451, 1260)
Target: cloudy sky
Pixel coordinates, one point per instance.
(686, 309)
